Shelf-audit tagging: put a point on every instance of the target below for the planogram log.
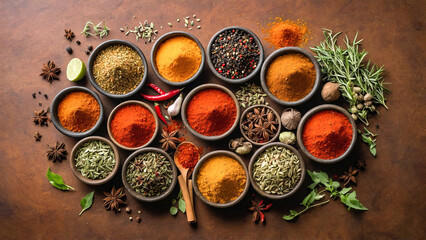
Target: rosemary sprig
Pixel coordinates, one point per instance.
(348, 68)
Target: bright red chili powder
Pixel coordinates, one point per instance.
(187, 155)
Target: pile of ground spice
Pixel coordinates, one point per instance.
(286, 33)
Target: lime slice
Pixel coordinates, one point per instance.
(76, 70)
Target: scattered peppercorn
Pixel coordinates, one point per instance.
(40, 104)
(90, 47)
(69, 50)
(78, 42)
(128, 210)
(34, 95)
(138, 219)
(130, 219)
(87, 52)
(39, 92)
(45, 96)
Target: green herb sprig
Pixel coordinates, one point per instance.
(181, 204)
(99, 30)
(57, 181)
(369, 138)
(357, 79)
(321, 178)
(86, 202)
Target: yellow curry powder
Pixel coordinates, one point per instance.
(178, 58)
(290, 77)
(221, 179)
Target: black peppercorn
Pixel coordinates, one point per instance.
(69, 50)
(78, 42)
(90, 47)
(45, 96)
(87, 52)
(34, 95)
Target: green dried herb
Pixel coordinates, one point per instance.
(149, 174)
(86, 202)
(250, 94)
(144, 31)
(277, 170)
(369, 138)
(57, 181)
(99, 30)
(95, 159)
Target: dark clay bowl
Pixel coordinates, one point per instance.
(138, 196)
(198, 167)
(308, 115)
(188, 98)
(54, 112)
(274, 196)
(171, 35)
(122, 105)
(270, 140)
(95, 53)
(93, 181)
(240, 80)
(283, 51)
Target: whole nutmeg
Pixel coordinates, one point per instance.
(330, 92)
(290, 118)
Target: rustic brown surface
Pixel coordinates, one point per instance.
(392, 186)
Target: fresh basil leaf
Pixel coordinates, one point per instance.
(306, 199)
(57, 181)
(292, 212)
(373, 151)
(345, 190)
(318, 197)
(86, 202)
(323, 177)
(292, 215)
(182, 205)
(313, 185)
(351, 201)
(335, 184)
(173, 210)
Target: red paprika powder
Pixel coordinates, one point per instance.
(327, 134)
(132, 125)
(187, 155)
(211, 112)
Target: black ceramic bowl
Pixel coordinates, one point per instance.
(54, 112)
(240, 80)
(283, 51)
(92, 59)
(200, 164)
(308, 115)
(189, 97)
(273, 196)
(171, 35)
(139, 196)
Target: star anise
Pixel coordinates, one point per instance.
(257, 209)
(258, 114)
(349, 176)
(37, 136)
(169, 140)
(50, 71)
(69, 34)
(361, 164)
(262, 130)
(57, 153)
(40, 117)
(114, 199)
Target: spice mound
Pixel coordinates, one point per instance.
(187, 155)
(277, 170)
(149, 174)
(290, 77)
(327, 134)
(234, 53)
(94, 159)
(178, 58)
(132, 125)
(211, 112)
(285, 33)
(221, 179)
(118, 69)
(78, 111)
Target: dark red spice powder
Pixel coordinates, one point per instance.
(187, 155)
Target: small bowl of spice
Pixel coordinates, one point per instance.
(149, 174)
(290, 76)
(177, 58)
(220, 179)
(327, 134)
(94, 160)
(77, 112)
(132, 125)
(210, 112)
(235, 55)
(260, 124)
(276, 170)
(117, 68)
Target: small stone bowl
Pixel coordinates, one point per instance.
(240, 80)
(139, 196)
(122, 105)
(172, 35)
(200, 164)
(188, 98)
(94, 182)
(284, 51)
(308, 115)
(54, 112)
(92, 59)
(274, 196)
(250, 140)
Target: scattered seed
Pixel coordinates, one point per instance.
(170, 24)
(87, 52)
(198, 27)
(161, 26)
(187, 17)
(198, 20)
(178, 20)
(69, 50)
(128, 210)
(130, 219)
(78, 42)
(186, 25)
(139, 211)
(34, 95)
(45, 96)
(39, 93)
(90, 47)
(138, 219)
(121, 29)
(190, 28)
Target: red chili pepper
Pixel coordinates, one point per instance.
(159, 114)
(260, 203)
(156, 88)
(162, 97)
(262, 217)
(267, 207)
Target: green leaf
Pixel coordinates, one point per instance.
(292, 212)
(351, 201)
(310, 198)
(292, 215)
(57, 181)
(323, 177)
(182, 205)
(345, 190)
(318, 197)
(335, 185)
(173, 210)
(173, 201)
(373, 151)
(86, 202)
(179, 196)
